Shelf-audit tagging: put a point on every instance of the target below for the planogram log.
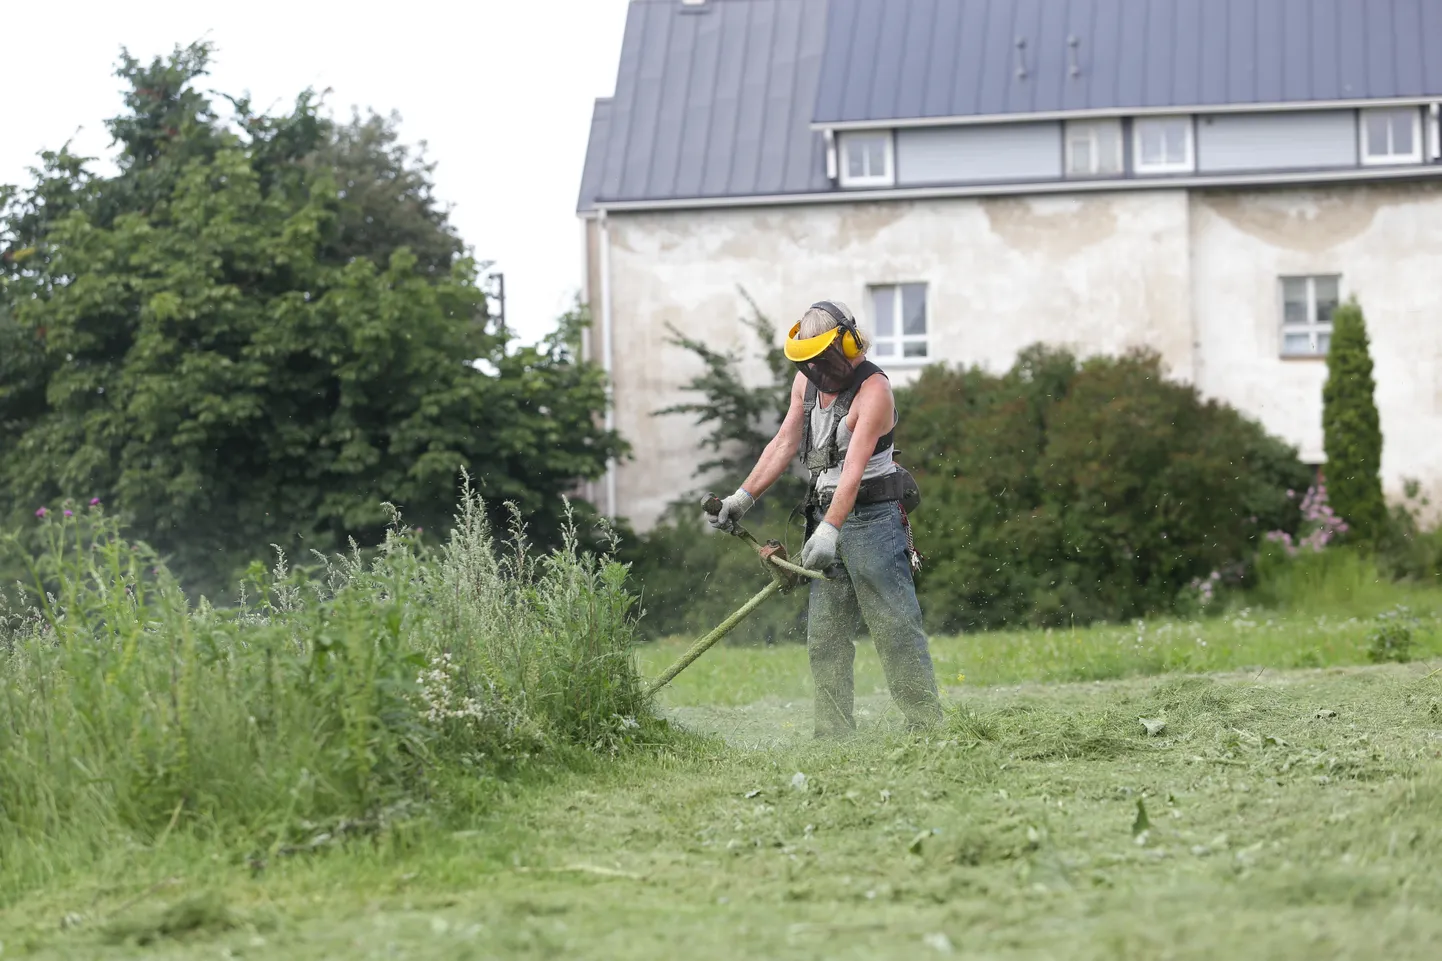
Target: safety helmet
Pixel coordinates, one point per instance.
(826, 359)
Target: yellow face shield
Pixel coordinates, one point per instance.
(823, 359)
(799, 351)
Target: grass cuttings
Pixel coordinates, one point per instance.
(1281, 816)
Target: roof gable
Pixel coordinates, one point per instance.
(711, 101)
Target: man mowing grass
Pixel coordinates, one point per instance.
(842, 421)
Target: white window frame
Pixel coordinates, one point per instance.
(1313, 327)
(1096, 130)
(886, 178)
(898, 339)
(1415, 157)
(1186, 165)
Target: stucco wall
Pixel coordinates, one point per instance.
(1386, 243)
(1192, 276)
(1099, 272)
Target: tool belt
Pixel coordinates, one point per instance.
(899, 485)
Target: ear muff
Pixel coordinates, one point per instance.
(851, 338)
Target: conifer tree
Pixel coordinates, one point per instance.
(1351, 429)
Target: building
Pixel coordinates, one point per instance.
(1206, 178)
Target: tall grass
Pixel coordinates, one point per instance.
(328, 701)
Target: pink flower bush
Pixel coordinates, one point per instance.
(1322, 524)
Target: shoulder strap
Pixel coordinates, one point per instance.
(865, 371)
(808, 404)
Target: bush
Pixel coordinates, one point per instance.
(348, 694)
(1351, 429)
(1391, 639)
(1069, 492)
(1407, 551)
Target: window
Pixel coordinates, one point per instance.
(1162, 145)
(900, 328)
(1093, 148)
(1307, 307)
(1392, 136)
(866, 159)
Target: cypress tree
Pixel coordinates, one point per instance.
(1351, 430)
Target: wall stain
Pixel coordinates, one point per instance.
(1308, 221)
(1054, 227)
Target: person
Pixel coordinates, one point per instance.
(842, 421)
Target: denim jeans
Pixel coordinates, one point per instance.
(876, 589)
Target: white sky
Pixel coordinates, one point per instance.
(501, 91)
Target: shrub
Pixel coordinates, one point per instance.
(1391, 638)
(1066, 491)
(1405, 549)
(356, 690)
(1351, 429)
(1320, 524)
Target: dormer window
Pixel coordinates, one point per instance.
(1163, 145)
(1392, 136)
(867, 159)
(1093, 148)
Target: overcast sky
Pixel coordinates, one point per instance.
(501, 91)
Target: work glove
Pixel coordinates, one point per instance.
(733, 508)
(819, 554)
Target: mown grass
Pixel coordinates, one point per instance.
(1271, 832)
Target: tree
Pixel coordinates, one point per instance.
(740, 419)
(688, 583)
(1351, 428)
(257, 337)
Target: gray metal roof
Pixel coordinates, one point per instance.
(595, 158)
(717, 101)
(711, 101)
(911, 59)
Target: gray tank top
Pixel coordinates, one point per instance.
(878, 466)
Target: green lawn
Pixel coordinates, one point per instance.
(1245, 639)
(1289, 813)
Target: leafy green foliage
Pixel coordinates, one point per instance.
(739, 419)
(375, 688)
(689, 577)
(1067, 492)
(1391, 639)
(1408, 550)
(1351, 428)
(257, 337)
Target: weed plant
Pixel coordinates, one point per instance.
(332, 701)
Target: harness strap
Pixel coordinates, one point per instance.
(842, 406)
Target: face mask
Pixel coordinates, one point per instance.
(830, 370)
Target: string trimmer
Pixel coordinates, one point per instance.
(784, 576)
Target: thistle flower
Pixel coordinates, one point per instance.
(69, 513)
(42, 512)
(94, 502)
